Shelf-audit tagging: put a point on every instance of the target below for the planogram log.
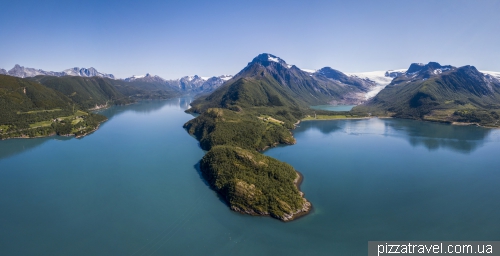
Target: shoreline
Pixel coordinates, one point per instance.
(307, 206)
(390, 117)
(55, 134)
(299, 213)
(331, 119)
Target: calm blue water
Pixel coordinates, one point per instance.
(334, 107)
(133, 188)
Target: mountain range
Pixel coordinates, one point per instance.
(440, 93)
(191, 84)
(187, 84)
(23, 72)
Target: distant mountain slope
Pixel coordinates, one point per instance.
(88, 92)
(147, 86)
(440, 93)
(187, 84)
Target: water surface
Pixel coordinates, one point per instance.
(334, 107)
(133, 188)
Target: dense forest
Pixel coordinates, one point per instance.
(253, 183)
(218, 126)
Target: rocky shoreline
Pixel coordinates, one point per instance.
(306, 206)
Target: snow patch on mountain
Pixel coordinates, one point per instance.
(275, 59)
(494, 74)
(381, 78)
(226, 77)
(376, 76)
(20, 71)
(90, 72)
(312, 71)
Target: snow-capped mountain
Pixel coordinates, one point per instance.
(394, 73)
(375, 81)
(146, 78)
(194, 84)
(20, 71)
(3, 71)
(212, 83)
(90, 72)
(199, 84)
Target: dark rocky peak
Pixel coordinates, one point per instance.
(266, 59)
(332, 73)
(393, 73)
(471, 73)
(336, 75)
(431, 68)
(415, 67)
(3, 71)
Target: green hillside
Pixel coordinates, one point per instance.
(30, 109)
(87, 92)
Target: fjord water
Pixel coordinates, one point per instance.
(334, 107)
(133, 188)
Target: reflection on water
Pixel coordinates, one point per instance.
(334, 107)
(147, 106)
(12, 147)
(433, 136)
(324, 127)
(15, 146)
(463, 139)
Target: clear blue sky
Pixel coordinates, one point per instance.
(177, 38)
